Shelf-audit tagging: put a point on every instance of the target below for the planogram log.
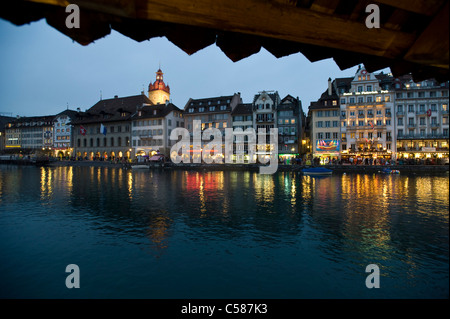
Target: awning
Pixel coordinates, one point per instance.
(412, 36)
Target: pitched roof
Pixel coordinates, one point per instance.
(243, 109)
(111, 110)
(155, 111)
(218, 101)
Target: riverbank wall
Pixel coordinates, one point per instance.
(417, 169)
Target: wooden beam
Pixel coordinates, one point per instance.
(274, 20)
(424, 7)
(431, 48)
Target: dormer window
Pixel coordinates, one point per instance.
(139, 113)
(154, 112)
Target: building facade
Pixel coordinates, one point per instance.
(242, 118)
(367, 125)
(214, 112)
(325, 132)
(63, 138)
(30, 135)
(289, 124)
(422, 119)
(103, 132)
(4, 120)
(151, 129)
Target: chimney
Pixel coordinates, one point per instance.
(116, 96)
(330, 91)
(78, 110)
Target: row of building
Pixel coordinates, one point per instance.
(377, 116)
(365, 116)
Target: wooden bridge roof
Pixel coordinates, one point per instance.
(412, 38)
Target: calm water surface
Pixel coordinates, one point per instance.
(187, 234)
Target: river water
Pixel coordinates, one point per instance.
(189, 234)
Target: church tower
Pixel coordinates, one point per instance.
(159, 92)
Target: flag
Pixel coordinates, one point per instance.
(371, 124)
(102, 129)
(82, 130)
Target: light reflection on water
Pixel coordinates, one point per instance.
(255, 236)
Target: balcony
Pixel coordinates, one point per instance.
(444, 111)
(434, 124)
(400, 113)
(361, 116)
(421, 112)
(388, 114)
(422, 136)
(411, 125)
(370, 115)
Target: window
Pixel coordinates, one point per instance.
(342, 101)
(398, 95)
(379, 134)
(361, 123)
(352, 100)
(400, 133)
(319, 113)
(400, 121)
(369, 99)
(421, 94)
(201, 109)
(336, 123)
(191, 110)
(369, 88)
(327, 135)
(387, 98)
(319, 124)
(410, 108)
(360, 88)
(169, 122)
(327, 123)
(360, 99)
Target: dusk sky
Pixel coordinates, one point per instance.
(44, 71)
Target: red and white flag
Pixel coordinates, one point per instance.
(82, 130)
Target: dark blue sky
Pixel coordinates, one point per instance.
(43, 71)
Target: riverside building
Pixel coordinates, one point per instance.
(324, 126)
(367, 124)
(213, 112)
(151, 128)
(422, 119)
(30, 135)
